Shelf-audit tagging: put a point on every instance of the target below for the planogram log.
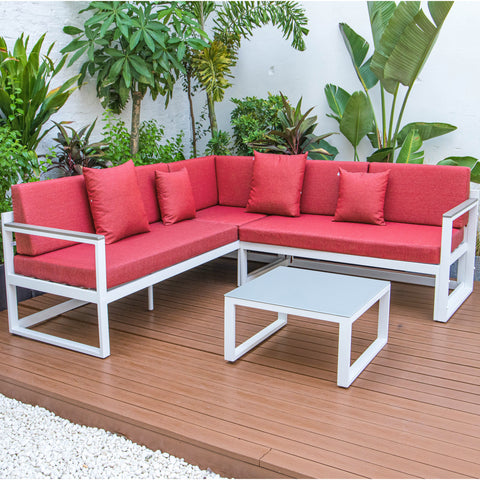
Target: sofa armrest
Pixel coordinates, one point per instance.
(98, 241)
(80, 237)
(460, 209)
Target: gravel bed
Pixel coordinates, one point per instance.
(35, 443)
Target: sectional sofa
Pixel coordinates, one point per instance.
(104, 235)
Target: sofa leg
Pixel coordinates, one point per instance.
(150, 298)
(103, 330)
(242, 266)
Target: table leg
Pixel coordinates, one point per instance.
(348, 373)
(229, 319)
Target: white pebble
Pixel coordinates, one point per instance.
(35, 443)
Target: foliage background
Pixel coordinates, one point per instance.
(447, 89)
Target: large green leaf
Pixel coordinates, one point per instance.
(357, 118)
(315, 154)
(400, 20)
(380, 14)
(358, 47)
(415, 44)
(337, 99)
(380, 155)
(409, 153)
(470, 162)
(425, 130)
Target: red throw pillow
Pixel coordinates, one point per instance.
(175, 196)
(277, 184)
(361, 197)
(115, 201)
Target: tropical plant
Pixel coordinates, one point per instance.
(252, 119)
(403, 38)
(73, 151)
(210, 69)
(152, 148)
(296, 135)
(17, 164)
(219, 144)
(132, 49)
(27, 96)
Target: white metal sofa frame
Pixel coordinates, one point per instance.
(444, 307)
(438, 275)
(101, 296)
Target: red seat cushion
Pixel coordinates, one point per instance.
(130, 258)
(146, 184)
(423, 193)
(175, 196)
(321, 184)
(230, 215)
(396, 241)
(202, 177)
(115, 201)
(277, 184)
(234, 176)
(361, 197)
(59, 203)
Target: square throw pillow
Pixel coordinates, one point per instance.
(277, 184)
(361, 197)
(175, 196)
(115, 201)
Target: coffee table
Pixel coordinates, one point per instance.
(319, 295)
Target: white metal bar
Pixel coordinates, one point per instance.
(102, 300)
(121, 291)
(269, 266)
(58, 341)
(48, 313)
(58, 233)
(60, 289)
(415, 267)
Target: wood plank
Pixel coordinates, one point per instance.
(277, 411)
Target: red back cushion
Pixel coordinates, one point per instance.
(115, 201)
(277, 184)
(146, 184)
(59, 203)
(321, 184)
(175, 196)
(234, 176)
(423, 193)
(202, 177)
(361, 197)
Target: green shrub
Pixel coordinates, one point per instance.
(252, 119)
(152, 147)
(17, 164)
(219, 144)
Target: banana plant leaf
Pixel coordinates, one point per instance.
(425, 130)
(409, 153)
(380, 14)
(470, 162)
(357, 118)
(380, 155)
(337, 99)
(414, 45)
(401, 18)
(358, 48)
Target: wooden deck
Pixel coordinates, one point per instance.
(276, 412)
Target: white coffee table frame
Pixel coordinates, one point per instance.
(346, 373)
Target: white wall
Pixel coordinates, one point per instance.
(446, 90)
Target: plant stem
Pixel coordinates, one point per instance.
(135, 128)
(392, 116)
(384, 119)
(400, 116)
(192, 113)
(211, 114)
